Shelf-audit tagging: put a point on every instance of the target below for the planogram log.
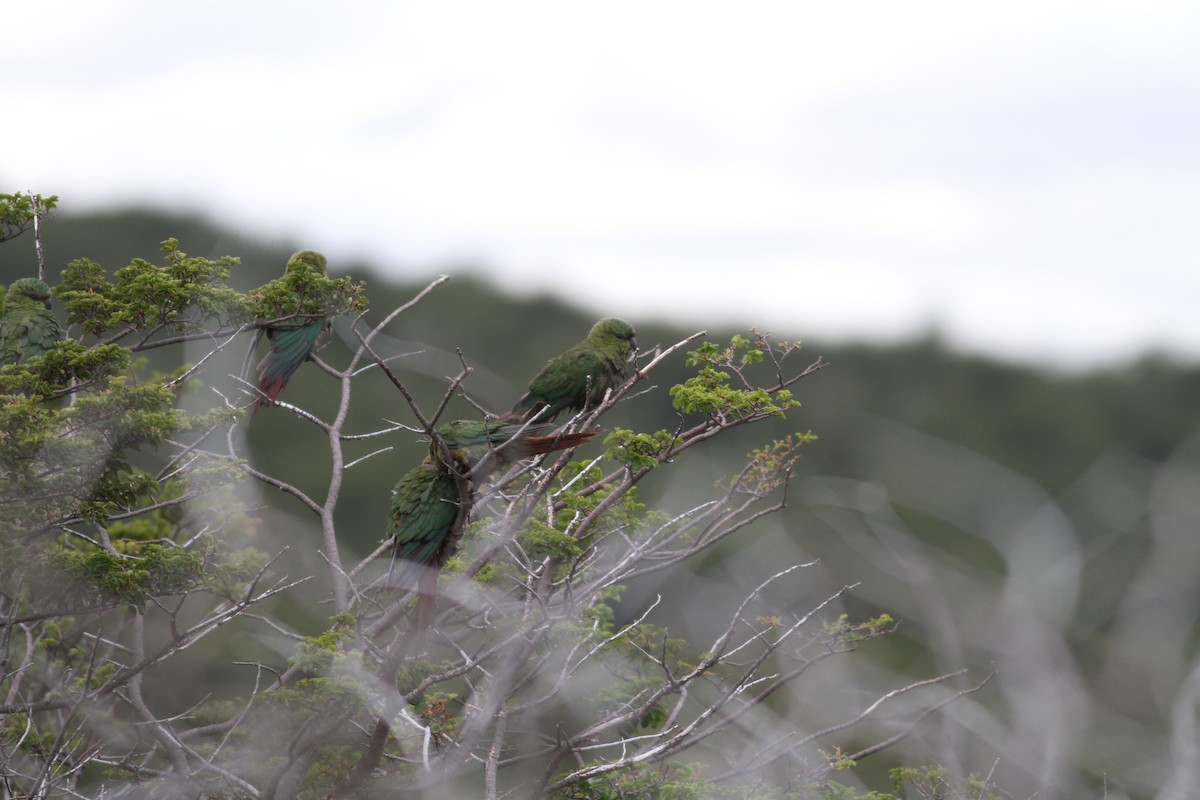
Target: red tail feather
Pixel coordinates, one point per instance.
(268, 393)
(536, 445)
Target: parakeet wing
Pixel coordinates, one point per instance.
(28, 333)
(424, 507)
(564, 382)
(291, 341)
(289, 349)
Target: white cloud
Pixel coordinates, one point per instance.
(878, 166)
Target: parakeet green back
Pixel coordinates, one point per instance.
(581, 376)
(291, 342)
(424, 506)
(28, 327)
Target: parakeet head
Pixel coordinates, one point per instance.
(613, 328)
(310, 257)
(33, 289)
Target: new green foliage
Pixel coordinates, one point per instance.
(18, 212)
(713, 389)
(155, 571)
(184, 295)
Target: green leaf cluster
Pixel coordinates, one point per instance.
(305, 294)
(22, 731)
(58, 464)
(639, 450)
(61, 462)
(315, 654)
(541, 540)
(181, 296)
(18, 211)
(68, 367)
(710, 390)
(131, 579)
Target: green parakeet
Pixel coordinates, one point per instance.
(291, 342)
(581, 376)
(424, 506)
(27, 326)
(426, 500)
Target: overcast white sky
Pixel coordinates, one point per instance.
(1023, 175)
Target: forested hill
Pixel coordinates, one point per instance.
(1044, 424)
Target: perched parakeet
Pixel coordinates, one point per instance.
(28, 327)
(425, 500)
(470, 441)
(291, 342)
(424, 506)
(580, 376)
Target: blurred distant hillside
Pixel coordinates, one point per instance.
(1047, 425)
(1006, 514)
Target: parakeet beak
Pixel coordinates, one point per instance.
(633, 343)
(47, 303)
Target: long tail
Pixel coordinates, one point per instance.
(426, 606)
(536, 445)
(268, 393)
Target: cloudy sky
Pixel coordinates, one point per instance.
(1023, 176)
